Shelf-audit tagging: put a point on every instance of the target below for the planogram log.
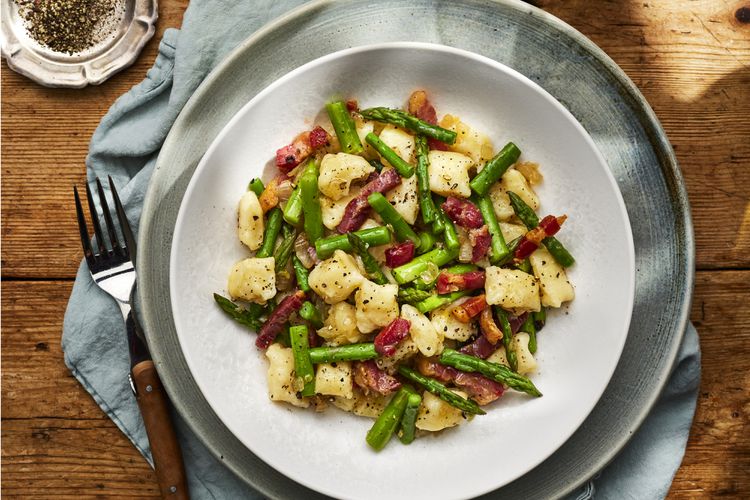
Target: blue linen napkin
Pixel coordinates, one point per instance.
(125, 146)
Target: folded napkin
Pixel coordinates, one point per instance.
(125, 146)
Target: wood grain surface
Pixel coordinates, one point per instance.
(690, 59)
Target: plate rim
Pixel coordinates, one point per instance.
(649, 122)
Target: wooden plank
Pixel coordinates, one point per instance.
(687, 62)
(55, 438)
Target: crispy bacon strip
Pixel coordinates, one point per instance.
(356, 210)
(549, 226)
(319, 137)
(389, 337)
(480, 240)
(465, 311)
(449, 282)
(489, 328)
(463, 212)
(421, 107)
(269, 198)
(369, 377)
(480, 388)
(275, 322)
(400, 254)
(300, 148)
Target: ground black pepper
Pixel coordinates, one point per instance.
(69, 26)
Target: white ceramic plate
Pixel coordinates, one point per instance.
(578, 349)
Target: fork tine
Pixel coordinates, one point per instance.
(88, 252)
(108, 219)
(95, 221)
(127, 233)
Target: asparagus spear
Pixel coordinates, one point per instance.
(373, 236)
(310, 313)
(302, 365)
(409, 420)
(346, 131)
(273, 226)
(434, 301)
(301, 273)
(401, 228)
(411, 270)
(256, 186)
(530, 220)
(403, 119)
(449, 231)
(286, 248)
(310, 204)
(247, 317)
(494, 371)
(441, 391)
(423, 181)
(494, 169)
(499, 249)
(371, 265)
(510, 354)
(412, 294)
(383, 428)
(293, 207)
(426, 242)
(528, 327)
(351, 352)
(399, 164)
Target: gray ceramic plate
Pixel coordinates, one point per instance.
(544, 49)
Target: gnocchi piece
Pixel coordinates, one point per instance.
(338, 171)
(253, 280)
(281, 383)
(404, 198)
(511, 289)
(370, 405)
(435, 414)
(470, 142)
(333, 210)
(251, 224)
(376, 305)
(429, 340)
(365, 127)
(404, 350)
(526, 361)
(336, 278)
(512, 180)
(335, 379)
(446, 323)
(499, 357)
(553, 281)
(340, 326)
(511, 231)
(399, 141)
(449, 173)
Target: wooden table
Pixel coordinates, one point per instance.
(691, 59)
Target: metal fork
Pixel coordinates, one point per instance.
(113, 270)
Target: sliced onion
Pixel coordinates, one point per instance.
(465, 252)
(284, 191)
(430, 274)
(304, 252)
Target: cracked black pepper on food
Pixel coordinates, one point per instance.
(69, 26)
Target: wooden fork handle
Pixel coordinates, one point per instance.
(165, 449)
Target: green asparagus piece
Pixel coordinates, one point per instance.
(530, 220)
(494, 371)
(373, 236)
(372, 267)
(313, 222)
(385, 425)
(273, 226)
(256, 186)
(438, 226)
(377, 164)
(525, 266)
(412, 295)
(403, 119)
(457, 269)
(540, 318)
(528, 327)
(302, 365)
(401, 228)
(426, 202)
(434, 301)
(449, 231)
(293, 207)
(301, 273)
(247, 317)
(441, 391)
(345, 128)
(510, 354)
(411, 270)
(426, 242)
(494, 169)
(399, 164)
(409, 420)
(499, 249)
(351, 352)
(286, 248)
(310, 313)
(511, 250)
